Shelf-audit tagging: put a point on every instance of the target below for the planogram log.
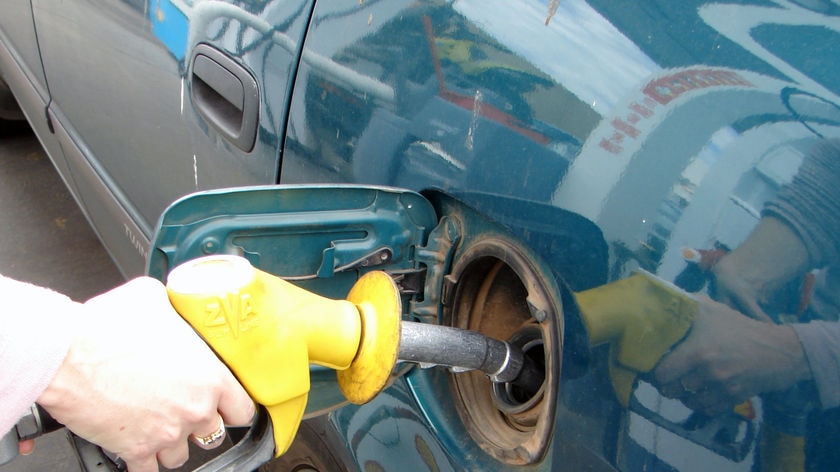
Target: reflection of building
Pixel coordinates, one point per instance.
(170, 25)
(692, 168)
(742, 210)
(776, 35)
(469, 115)
(579, 48)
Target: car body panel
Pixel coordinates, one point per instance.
(23, 73)
(573, 142)
(18, 29)
(125, 58)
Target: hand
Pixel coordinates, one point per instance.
(733, 289)
(728, 358)
(754, 272)
(138, 381)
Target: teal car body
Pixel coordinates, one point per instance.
(560, 145)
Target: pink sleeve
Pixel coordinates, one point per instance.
(35, 333)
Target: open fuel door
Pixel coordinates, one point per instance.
(320, 237)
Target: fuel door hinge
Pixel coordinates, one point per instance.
(434, 261)
(410, 282)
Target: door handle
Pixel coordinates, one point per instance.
(226, 95)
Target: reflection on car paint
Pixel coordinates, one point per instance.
(665, 126)
(641, 130)
(391, 422)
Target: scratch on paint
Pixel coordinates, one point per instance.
(474, 122)
(195, 171)
(435, 149)
(182, 96)
(552, 9)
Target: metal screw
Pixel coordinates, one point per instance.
(210, 246)
(538, 313)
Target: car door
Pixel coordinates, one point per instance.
(142, 123)
(23, 73)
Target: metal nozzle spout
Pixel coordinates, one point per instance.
(463, 350)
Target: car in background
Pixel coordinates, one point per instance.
(557, 145)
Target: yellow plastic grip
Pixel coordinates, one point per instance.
(642, 317)
(267, 331)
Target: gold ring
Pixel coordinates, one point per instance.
(211, 440)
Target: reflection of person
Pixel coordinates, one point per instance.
(728, 357)
(123, 371)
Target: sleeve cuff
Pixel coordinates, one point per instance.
(37, 331)
(821, 342)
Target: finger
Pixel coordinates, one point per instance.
(717, 408)
(174, 457)
(674, 366)
(26, 447)
(235, 405)
(210, 437)
(713, 405)
(126, 287)
(708, 401)
(671, 390)
(699, 401)
(749, 306)
(683, 388)
(752, 309)
(142, 464)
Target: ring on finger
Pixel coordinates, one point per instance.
(213, 439)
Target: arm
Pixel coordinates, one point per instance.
(749, 276)
(797, 232)
(33, 342)
(810, 205)
(821, 343)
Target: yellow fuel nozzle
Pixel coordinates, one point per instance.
(642, 317)
(268, 331)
